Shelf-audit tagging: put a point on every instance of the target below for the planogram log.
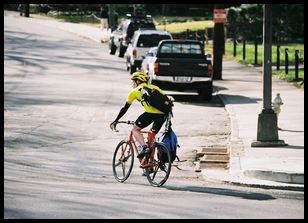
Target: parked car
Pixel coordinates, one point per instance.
(120, 37)
(149, 60)
(140, 44)
(182, 65)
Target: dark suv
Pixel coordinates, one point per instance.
(120, 38)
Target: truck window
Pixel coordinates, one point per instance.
(181, 48)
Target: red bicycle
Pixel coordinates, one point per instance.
(157, 165)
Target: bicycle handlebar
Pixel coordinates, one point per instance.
(126, 122)
(123, 122)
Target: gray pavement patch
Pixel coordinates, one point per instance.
(284, 177)
(239, 179)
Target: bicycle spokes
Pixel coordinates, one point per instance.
(157, 166)
(161, 169)
(123, 161)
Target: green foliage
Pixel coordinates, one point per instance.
(247, 22)
(250, 53)
(181, 27)
(290, 76)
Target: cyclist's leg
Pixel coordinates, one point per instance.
(138, 135)
(158, 122)
(142, 121)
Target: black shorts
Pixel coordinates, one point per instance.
(146, 119)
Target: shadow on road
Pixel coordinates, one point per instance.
(224, 192)
(240, 99)
(196, 100)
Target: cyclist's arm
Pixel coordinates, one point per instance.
(122, 111)
(130, 98)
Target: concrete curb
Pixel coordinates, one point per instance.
(284, 177)
(236, 145)
(268, 186)
(266, 179)
(240, 179)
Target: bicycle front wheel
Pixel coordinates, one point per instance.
(159, 173)
(123, 161)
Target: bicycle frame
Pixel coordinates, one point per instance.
(151, 139)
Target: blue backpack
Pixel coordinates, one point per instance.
(169, 138)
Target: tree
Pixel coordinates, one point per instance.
(233, 21)
(246, 21)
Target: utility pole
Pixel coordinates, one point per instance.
(27, 10)
(111, 17)
(218, 46)
(267, 134)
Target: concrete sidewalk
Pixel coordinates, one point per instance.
(241, 92)
(269, 167)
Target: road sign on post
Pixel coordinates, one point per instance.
(218, 41)
(220, 15)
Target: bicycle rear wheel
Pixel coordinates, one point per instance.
(159, 173)
(123, 161)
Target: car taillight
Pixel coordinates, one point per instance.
(156, 68)
(210, 69)
(134, 53)
(147, 67)
(125, 37)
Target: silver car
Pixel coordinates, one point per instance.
(149, 60)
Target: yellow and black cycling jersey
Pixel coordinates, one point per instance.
(136, 94)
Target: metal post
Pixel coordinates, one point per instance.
(267, 134)
(256, 52)
(278, 58)
(244, 49)
(267, 58)
(296, 63)
(234, 47)
(203, 39)
(286, 61)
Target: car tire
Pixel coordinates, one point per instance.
(127, 64)
(133, 69)
(112, 48)
(122, 50)
(206, 93)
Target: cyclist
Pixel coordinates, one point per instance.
(151, 114)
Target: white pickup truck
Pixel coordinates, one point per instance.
(142, 41)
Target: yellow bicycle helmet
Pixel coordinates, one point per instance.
(140, 76)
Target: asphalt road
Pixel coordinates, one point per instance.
(60, 94)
